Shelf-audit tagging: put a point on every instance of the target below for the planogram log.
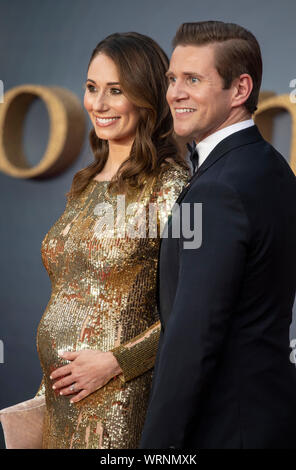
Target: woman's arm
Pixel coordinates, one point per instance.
(138, 355)
(41, 389)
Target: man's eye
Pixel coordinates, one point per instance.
(171, 79)
(193, 79)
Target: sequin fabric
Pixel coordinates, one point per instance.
(104, 297)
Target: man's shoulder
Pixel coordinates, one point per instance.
(247, 170)
(256, 162)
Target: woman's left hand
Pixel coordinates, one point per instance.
(89, 371)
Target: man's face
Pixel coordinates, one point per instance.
(198, 103)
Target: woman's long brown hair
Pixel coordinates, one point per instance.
(141, 65)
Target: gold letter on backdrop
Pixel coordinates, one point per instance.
(66, 136)
(270, 105)
(67, 128)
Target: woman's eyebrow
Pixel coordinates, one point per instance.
(109, 83)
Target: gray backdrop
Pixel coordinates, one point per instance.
(49, 43)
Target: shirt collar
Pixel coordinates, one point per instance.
(205, 146)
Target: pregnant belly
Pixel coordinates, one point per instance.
(71, 326)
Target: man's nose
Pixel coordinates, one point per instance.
(177, 92)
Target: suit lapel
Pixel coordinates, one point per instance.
(238, 139)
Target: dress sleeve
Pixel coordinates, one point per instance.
(137, 355)
(41, 389)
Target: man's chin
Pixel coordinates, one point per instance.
(184, 133)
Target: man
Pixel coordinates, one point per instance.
(223, 378)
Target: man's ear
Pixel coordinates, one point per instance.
(242, 88)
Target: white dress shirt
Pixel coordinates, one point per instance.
(204, 147)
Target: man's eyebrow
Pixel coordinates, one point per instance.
(169, 73)
(196, 74)
(109, 83)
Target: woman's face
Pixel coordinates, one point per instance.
(113, 116)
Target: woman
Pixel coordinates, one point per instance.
(102, 253)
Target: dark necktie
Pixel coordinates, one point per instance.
(194, 157)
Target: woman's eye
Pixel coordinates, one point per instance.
(115, 91)
(90, 88)
(171, 80)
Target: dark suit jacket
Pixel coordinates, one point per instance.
(223, 378)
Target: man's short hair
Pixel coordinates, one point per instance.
(237, 51)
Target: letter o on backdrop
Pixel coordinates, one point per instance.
(269, 105)
(66, 135)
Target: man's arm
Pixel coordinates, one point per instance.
(208, 287)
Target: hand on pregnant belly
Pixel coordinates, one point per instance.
(88, 371)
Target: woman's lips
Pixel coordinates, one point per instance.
(105, 122)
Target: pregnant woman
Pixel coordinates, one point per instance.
(98, 336)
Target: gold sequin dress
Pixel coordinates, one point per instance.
(102, 258)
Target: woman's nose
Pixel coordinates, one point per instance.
(100, 102)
